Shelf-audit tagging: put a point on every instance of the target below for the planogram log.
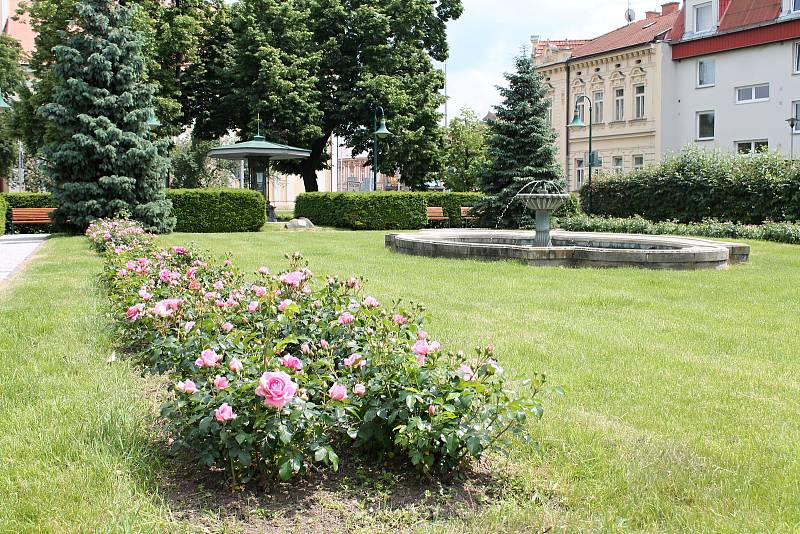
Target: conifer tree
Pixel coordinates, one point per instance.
(102, 159)
(521, 149)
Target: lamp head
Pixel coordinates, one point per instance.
(152, 120)
(3, 104)
(382, 132)
(577, 121)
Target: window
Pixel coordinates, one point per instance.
(796, 115)
(579, 173)
(638, 92)
(752, 93)
(706, 73)
(752, 147)
(796, 5)
(550, 112)
(796, 68)
(619, 104)
(703, 18)
(638, 162)
(580, 107)
(618, 165)
(598, 106)
(705, 125)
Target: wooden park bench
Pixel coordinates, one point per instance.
(466, 215)
(31, 216)
(436, 214)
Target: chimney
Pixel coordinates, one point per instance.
(670, 7)
(651, 15)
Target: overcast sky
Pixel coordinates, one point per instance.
(484, 41)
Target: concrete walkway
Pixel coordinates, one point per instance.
(15, 249)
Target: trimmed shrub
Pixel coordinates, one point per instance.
(771, 231)
(3, 210)
(28, 200)
(696, 185)
(364, 211)
(217, 210)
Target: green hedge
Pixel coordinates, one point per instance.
(28, 200)
(780, 232)
(217, 210)
(3, 211)
(364, 211)
(697, 185)
(452, 203)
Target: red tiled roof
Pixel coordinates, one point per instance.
(742, 13)
(560, 44)
(636, 33)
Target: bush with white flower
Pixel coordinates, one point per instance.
(273, 373)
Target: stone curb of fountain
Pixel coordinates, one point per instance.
(573, 249)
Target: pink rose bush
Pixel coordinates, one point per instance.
(368, 376)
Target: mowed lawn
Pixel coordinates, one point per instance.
(681, 413)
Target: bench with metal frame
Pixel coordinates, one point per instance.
(31, 216)
(437, 214)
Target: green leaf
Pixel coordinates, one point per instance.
(285, 471)
(320, 454)
(284, 434)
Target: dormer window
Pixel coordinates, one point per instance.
(704, 17)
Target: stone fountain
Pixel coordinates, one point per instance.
(544, 204)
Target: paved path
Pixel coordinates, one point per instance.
(15, 249)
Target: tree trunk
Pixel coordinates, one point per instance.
(308, 168)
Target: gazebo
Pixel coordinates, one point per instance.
(259, 153)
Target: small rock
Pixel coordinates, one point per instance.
(299, 224)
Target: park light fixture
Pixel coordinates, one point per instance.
(577, 122)
(381, 132)
(792, 130)
(152, 120)
(3, 104)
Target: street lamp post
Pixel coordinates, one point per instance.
(381, 132)
(577, 122)
(792, 124)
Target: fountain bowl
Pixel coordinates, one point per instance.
(544, 201)
(572, 249)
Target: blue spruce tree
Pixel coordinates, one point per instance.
(101, 157)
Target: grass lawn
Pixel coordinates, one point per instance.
(682, 410)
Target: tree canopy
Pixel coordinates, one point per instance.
(465, 152)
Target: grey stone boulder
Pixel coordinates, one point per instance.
(299, 224)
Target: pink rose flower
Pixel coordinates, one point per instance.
(293, 279)
(371, 302)
(163, 275)
(191, 272)
(224, 413)
(179, 250)
(353, 283)
(208, 358)
(355, 359)
(219, 284)
(305, 348)
(227, 263)
(260, 291)
(142, 261)
(188, 326)
(421, 348)
(186, 386)
(235, 365)
(263, 270)
(346, 318)
(292, 362)
(221, 382)
(466, 371)
(276, 388)
(134, 311)
(253, 306)
(284, 304)
(399, 319)
(422, 334)
(166, 307)
(435, 346)
(324, 344)
(131, 265)
(227, 327)
(359, 389)
(144, 294)
(337, 392)
(431, 409)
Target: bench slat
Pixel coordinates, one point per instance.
(31, 215)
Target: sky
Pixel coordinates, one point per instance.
(484, 41)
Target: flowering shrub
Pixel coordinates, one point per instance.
(278, 371)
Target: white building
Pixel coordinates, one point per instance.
(733, 78)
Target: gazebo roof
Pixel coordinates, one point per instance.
(258, 147)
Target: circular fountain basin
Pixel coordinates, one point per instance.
(572, 249)
(544, 201)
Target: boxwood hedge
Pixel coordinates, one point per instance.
(217, 210)
(697, 185)
(3, 211)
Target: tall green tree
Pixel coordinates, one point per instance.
(521, 149)
(465, 151)
(102, 160)
(12, 81)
